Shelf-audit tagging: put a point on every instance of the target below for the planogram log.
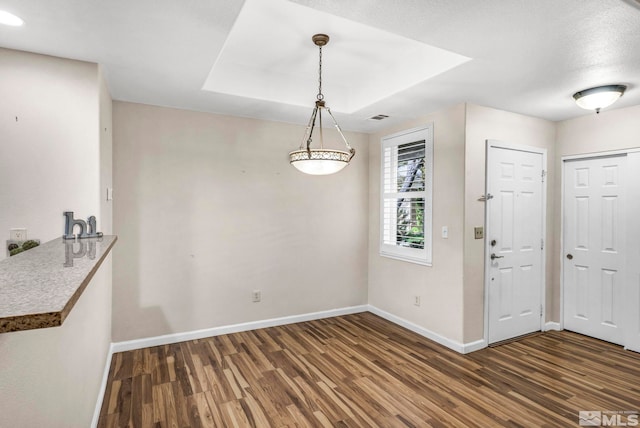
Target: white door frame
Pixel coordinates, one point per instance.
(629, 246)
(487, 264)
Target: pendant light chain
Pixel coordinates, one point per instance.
(320, 96)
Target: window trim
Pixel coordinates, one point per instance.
(412, 255)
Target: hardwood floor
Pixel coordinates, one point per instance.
(362, 371)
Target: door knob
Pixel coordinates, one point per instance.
(569, 256)
(493, 256)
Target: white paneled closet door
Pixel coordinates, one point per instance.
(594, 220)
(632, 295)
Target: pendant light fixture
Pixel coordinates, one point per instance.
(320, 161)
(599, 97)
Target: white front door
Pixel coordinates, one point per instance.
(594, 247)
(514, 242)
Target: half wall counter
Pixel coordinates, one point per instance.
(39, 287)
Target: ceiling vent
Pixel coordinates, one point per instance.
(378, 117)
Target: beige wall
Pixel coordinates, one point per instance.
(592, 133)
(208, 209)
(393, 283)
(105, 132)
(51, 377)
(49, 153)
(50, 162)
(484, 123)
(452, 290)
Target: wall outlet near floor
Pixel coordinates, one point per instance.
(416, 300)
(18, 234)
(256, 296)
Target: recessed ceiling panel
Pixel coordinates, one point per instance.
(269, 55)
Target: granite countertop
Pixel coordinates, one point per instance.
(39, 287)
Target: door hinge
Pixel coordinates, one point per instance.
(544, 174)
(542, 243)
(540, 311)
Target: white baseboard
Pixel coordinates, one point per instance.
(474, 346)
(462, 348)
(167, 339)
(552, 325)
(103, 388)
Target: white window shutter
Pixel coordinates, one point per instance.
(406, 195)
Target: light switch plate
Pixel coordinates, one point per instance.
(445, 232)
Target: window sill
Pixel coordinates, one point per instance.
(406, 259)
(38, 288)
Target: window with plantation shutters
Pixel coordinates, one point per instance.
(407, 170)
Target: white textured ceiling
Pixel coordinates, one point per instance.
(361, 64)
(526, 56)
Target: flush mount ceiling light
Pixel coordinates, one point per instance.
(320, 161)
(7, 18)
(599, 97)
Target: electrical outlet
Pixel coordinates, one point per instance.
(479, 232)
(256, 296)
(18, 234)
(416, 300)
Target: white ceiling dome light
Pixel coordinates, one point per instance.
(599, 97)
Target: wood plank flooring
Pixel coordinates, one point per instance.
(363, 371)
